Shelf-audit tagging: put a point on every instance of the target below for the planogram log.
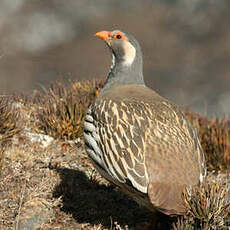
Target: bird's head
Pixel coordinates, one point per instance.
(127, 64)
(124, 46)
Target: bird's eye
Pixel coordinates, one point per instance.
(118, 36)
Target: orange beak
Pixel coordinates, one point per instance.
(104, 35)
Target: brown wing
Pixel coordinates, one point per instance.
(174, 158)
(121, 131)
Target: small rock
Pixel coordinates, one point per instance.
(33, 214)
(43, 139)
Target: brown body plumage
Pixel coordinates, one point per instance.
(145, 145)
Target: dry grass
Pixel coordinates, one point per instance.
(208, 207)
(62, 108)
(215, 140)
(8, 124)
(9, 117)
(54, 179)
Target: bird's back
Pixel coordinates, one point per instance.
(144, 144)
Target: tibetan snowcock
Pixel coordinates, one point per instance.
(139, 140)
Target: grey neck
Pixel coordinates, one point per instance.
(121, 74)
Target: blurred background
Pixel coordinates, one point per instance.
(186, 45)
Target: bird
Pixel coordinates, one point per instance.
(137, 139)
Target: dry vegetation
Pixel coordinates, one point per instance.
(62, 108)
(47, 181)
(215, 140)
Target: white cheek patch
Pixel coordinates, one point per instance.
(129, 53)
(113, 61)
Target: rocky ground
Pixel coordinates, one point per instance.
(49, 183)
